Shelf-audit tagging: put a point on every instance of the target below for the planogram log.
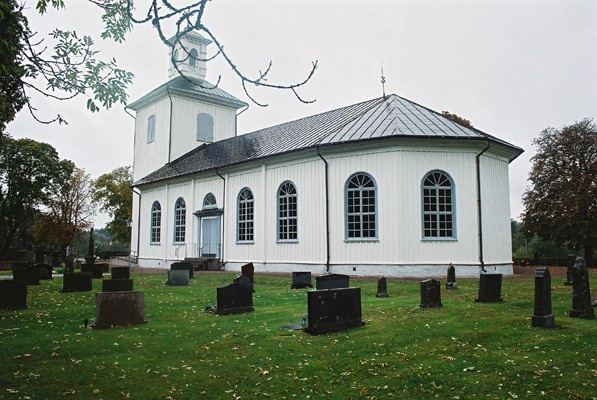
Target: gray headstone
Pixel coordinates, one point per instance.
(430, 294)
(581, 292)
(119, 309)
(183, 265)
(542, 316)
(178, 277)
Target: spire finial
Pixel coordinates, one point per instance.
(383, 81)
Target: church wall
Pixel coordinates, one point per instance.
(184, 125)
(152, 254)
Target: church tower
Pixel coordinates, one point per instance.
(182, 113)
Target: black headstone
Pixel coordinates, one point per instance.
(121, 273)
(39, 254)
(571, 260)
(490, 288)
(117, 285)
(119, 309)
(581, 292)
(451, 278)
(542, 315)
(182, 266)
(244, 280)
(382, 287)
(96, 270)
(430, 294)
(301, 280)
(77, 282)
(234, 298)
(332, 281)
(44, 271)
(248, 270)
(13, 295)
(90, 257)
(333, 310)
(27, 275)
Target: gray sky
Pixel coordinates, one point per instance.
(511, 67)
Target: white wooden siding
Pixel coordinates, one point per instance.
(150, 156)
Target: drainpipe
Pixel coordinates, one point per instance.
(169, 125)
(138, 224)
(223, 236)
(327, 212)
(479, 213)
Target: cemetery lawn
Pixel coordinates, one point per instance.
(463, 350)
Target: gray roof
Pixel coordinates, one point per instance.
(191, 87)
(390, 116)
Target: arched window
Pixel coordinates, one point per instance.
(205, 128)
(193, 56)
(361, 209)
(209, 201)
(245, 214)
(156, 222)
(180, 218)
(151, 129)
(287, 212)
(438, 206)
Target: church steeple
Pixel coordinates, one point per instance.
(190, 53)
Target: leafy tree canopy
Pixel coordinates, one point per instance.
(113, 191)
(560, 203)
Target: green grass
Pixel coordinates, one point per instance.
(463, 350)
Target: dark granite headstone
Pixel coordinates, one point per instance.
(39, 254)
(96, 270)
(301, 279)
(117, 285)
(178, 277)
(77, 282)
(451, 278)
(382, 287)
(581, 292)
(121, 273)
(44, 271)
(182, 265)
(13, 295)
(248, 270)
(430, 294)
(244, 280)
(332, 281)
(90, 257)
(27, 275)
(571, 260)
(333, 310)
(119, 309)
(234, 298)
(490, 288)
(542, 315)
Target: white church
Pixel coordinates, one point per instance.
(385, 187)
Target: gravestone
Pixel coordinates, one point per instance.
(90, 257)
(178, 277)
(121, 273)
(25, 274)
(430, 294)
(96, 270)
(451, 278)
(117, 285)
(248, 270)
(542, 315)
(382, 287)
(244, 280)
(332, 281)
(333, 310)
(301, 279)
(182, 266)
(39, 254)
(119, 309)
(571, 260)
(234, 298)
(581, 292)
(44, 271)
(13, 295)
(77, 282)
(490, 288)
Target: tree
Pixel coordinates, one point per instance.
(69, 211)
(560, 203)
(30, 174)
(115, 194)
(73, 68)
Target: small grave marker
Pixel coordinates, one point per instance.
(77, 282)
(301, 279)
(382, 288)
(25, 274)
(117, 285)
(13, 295)
(234, 298)
(451, 278)
(581, 292)
(121, 273)
(183, 266)
(542, 315)
(178, 277)
(490, 288)
(332, 281)
(571, 261)
(119, 309)
(333, 310)
(44, 271)
(430, 294)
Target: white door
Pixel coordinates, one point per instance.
(210, 237)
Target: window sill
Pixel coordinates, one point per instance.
(285, 241)
(439, 239)
(245, 242)
(361, 240)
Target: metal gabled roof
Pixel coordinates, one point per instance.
(192, 87)
(390, 116)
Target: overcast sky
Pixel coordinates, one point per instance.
(511, 67)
